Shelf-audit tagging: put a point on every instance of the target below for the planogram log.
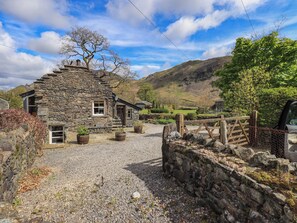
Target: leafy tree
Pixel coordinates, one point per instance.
(94, 49)
(243, 96)
(146, 92)
(267, 62)
(275, 55)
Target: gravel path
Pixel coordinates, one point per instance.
(94, 183)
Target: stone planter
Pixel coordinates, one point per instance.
(120, 136)
(138, 129)
(82, 139)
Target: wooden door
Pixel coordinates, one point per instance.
(121, 113)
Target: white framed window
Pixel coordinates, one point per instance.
(129, 114)
(98, 108)
(56, 134)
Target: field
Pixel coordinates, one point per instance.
(174, 112)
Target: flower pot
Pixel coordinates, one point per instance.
(82, 139)
(120, 136)
(138, 129)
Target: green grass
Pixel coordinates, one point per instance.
(145, 111)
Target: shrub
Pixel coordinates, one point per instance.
(82, 130)
(272, 102)
(159, 110)
(13, 119)
(165, 121)
(191, 116)
(138, 123)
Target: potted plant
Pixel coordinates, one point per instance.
(82, 135)
(120, 135)
(138, 126)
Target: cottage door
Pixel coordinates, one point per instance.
(121, 113)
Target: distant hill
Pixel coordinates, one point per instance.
(188, 83)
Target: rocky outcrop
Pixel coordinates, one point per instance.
(217, 175)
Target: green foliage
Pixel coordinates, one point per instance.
(191, 116)
(277, 55)
(82, 130)
(146, 92)
(165, 121)
(267, 62)
(159, 110)
(242, 97)
(13, 98)
(137, 123)
(272, 102)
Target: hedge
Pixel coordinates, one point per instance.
(159, 110)
(272, 102)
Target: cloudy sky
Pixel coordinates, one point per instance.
(161, 34)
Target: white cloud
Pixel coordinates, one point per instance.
(49, 42)
(193, 15)
(216, 52)
(48, 12)
(144, 70)
(18, 67)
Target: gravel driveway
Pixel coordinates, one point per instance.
(94, 183)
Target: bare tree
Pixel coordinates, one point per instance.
(93, 48)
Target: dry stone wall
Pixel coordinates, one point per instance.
(17, 153)
(233, 195)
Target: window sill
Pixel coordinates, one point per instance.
(100, 116)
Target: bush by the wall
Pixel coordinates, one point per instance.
(159, 110)
(272, 101)
(12, 119)
(191, 116)
(165, 121)
(156, 116)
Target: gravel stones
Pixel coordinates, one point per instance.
(75, 192)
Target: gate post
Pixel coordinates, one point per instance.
(253, 133)
(180, 124)
(223, 131)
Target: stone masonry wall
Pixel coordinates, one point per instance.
(17, 153)
(233, 195)
(65, 97)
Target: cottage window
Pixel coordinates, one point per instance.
(129, 114)
(29, 105)
(56, 134)
(98, 108)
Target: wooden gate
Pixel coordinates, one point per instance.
(232, 130)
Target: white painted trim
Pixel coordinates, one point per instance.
(104, 106)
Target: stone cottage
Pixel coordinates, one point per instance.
(75, 96)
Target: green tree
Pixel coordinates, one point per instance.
(277, 56)
(243, 96)
(146, 92)
(267, 62)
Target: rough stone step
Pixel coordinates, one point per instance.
(57, 71)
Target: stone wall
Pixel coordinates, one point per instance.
(65, 97)
(215, 174)
(17, 153)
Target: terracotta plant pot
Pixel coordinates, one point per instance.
(138, 129)
(120, 136)
(82, 139)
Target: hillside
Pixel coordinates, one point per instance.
(188, 83)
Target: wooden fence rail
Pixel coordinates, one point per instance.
(241, 130)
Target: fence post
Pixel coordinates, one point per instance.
(223, 131)
(180, 125)
(253, 133)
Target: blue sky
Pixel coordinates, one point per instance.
(31, 30)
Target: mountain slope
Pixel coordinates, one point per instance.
(188, 83)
